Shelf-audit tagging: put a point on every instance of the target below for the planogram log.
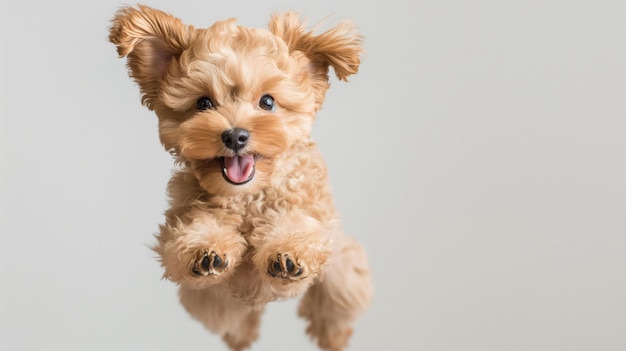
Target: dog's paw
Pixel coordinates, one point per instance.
(286, 267)
(210, 263)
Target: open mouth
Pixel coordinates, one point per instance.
(239, 169)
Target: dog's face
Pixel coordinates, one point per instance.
(232, 101)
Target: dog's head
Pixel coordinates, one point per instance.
(232, 101)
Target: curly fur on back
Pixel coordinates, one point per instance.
(235, 245)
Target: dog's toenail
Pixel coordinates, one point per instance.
(299, 272)
(205, 262)
(289, 265)
(276, 266)
(217, 261)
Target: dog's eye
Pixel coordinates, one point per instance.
(267, 103)
(204, 103)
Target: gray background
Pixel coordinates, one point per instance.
(479, 156)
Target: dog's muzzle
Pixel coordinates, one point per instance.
(238, 169)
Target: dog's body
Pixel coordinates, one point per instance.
(252, 217)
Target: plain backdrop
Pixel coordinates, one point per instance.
(479, 156)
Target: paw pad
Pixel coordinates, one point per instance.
(284, 267)
(209, 264)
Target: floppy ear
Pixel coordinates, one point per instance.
(150, 39)
(339, 47)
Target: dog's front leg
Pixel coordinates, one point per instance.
(290, 251)
(200, 252)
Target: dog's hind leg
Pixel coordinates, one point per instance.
(220, 313)
(341, 294)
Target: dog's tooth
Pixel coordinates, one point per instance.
(225, 171)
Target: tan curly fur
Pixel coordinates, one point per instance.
(234, 245)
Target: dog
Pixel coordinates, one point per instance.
(251, 217)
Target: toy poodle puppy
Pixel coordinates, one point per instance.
(251, 217)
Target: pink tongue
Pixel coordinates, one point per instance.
(239, 168)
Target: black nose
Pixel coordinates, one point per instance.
(235, 139)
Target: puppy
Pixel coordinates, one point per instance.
(251, 217)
